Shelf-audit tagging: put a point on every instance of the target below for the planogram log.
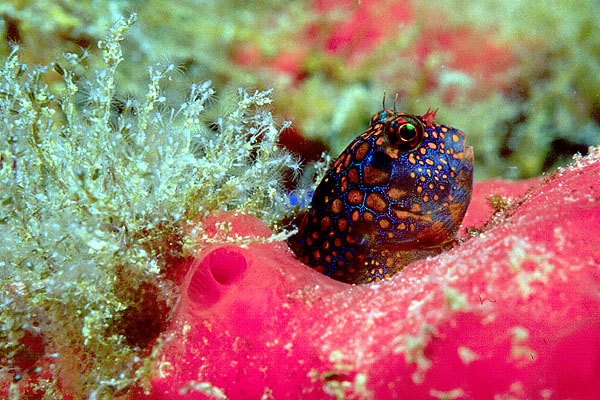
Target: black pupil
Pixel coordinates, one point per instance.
(408, 132)
(405, 132)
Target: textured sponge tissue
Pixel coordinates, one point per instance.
(511, 313)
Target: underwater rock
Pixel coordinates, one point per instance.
(513, 312)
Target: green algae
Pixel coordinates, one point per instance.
(96, 194)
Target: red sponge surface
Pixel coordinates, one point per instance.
(513, 312)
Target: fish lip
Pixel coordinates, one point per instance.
(468, 153)
(467, 160)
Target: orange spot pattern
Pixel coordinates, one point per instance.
(385, 204)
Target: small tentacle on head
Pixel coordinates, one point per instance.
(429, 117)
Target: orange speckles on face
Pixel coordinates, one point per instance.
(353, 176)
(325, 224)
(402, 215)
(392, 152)
(336, 206)
(343, 184)
(373, 176)
(342, 224)
(338, 161)
(348, 160)
(385, 199)
(376, 203)
(411, 159)
(348, 255)
(396, 194)
(361, 151)
(458, 156)
(384, 223)
(350, 239)
(355, 196)
(316, 255)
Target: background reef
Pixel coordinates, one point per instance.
(521, 78)
(106, 162)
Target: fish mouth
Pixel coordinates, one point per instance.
(468, 154)
(467, 159)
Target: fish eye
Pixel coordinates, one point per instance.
(405, 132)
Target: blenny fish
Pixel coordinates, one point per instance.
(396, 194)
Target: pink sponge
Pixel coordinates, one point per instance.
(513, 312)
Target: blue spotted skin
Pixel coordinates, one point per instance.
(396, 194)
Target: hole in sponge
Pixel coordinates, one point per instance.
(227, 266)
(222, 267)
